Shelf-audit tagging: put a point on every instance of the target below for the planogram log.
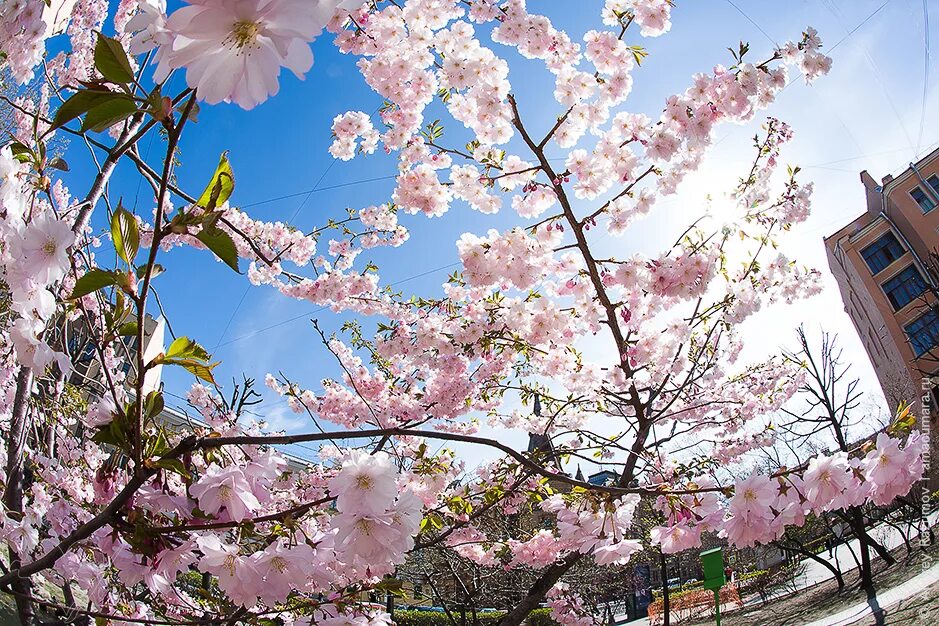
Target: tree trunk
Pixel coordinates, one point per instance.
(666, 608)
(867, 576)
(857, 524)
(13, 495)
(831, 568)
(537, 592)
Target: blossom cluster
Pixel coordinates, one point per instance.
(35, 259)
(763, 506)
(23, 33)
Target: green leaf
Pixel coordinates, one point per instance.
(190, 355)
(198, 369)
(124, 234)
(153, 406)
(17, 149)
(173, 465)
(155, 271)
(220, 187)
(21, 153)
(114, 432)
(109, 113)
(184, 347)
(220, 243)
(127, 329)
(79, 104)
(92, 281)
(58, 163)
(111, 60)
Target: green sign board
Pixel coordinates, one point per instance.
(712, 561)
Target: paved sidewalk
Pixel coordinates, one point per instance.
(888, 536)
(881, 601)
(815, 573)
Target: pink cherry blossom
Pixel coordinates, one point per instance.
(238, 576)
(233, 50)
(225, 488)
(366, 483)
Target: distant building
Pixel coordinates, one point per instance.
(604, 478)
(885, 265)
(87, 366)
(540, 446)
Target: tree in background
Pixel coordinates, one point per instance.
(831, 413)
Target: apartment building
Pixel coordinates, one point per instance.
(885, 263)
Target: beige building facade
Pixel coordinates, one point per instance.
(885, 263)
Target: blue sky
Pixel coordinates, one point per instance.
(869, 113)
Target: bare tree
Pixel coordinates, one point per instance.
(831, 399)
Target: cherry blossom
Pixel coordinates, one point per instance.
(366, 483)
(225, 488)
(233, 50)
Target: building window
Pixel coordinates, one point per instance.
(904, 287)
(934, 183)
(922, 199)
(924, 331)
(882, 252)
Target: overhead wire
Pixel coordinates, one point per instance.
(752, 21)
(317, 190)
(922, 115)
(234, 312)
(830, 50)
(876, 69)
(319, 309)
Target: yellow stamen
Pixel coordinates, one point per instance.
(245, 33)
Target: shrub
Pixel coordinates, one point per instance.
(693, 603)
(541, 617)
(433, 618)
(538, 617)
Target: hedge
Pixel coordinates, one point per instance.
(677, 591)
(538, 617)
(541, 617)
(693, 603)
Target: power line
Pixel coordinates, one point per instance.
(751, 20)
(829, 51)
(922, 115)
(232, 317)
(876, 69)
(234, 312)
(319, 309)
(858, 27)
(313, 190)
(320, 189)
(855, 158)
